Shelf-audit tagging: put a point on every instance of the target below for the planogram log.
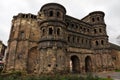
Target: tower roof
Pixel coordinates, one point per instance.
(53, 4)
(97, 12)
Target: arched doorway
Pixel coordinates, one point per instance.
(88, 64)
(75, 64)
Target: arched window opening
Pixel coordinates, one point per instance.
(68, 39)
(35, 17)
(97, 43)
(84, 29)
(23, 16)
(58, 31)
(76, 26)
(93, 20)
(49, 65)
(43, 31)
(58, 14)
(95, 31)
(56, 65)
(72, 25)
(98, 19)
(102, 42)
(86, 41)
(82, 41)
(73, 39)
(51, 13)
(27, 16)
(78, 39)
(89, 42)
(80, 27)
(88, 30)
(50, 31)
(100, 30)
(32, 16)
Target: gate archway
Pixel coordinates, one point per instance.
(75, 64)
(88, 64)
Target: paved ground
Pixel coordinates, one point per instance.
(113, 75)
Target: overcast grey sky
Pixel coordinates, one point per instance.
(75, 8)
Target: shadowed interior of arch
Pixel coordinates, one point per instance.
(75, 64)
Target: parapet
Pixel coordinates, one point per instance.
(97, 12)
(95, 17)
(25, 16)
(52, 5)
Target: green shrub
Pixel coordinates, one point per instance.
(19, 76)
(117, 70)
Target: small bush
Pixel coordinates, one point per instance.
(117, 70)
(19, 76)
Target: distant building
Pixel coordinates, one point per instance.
(52, 41)
(3, 47)
(2, 54)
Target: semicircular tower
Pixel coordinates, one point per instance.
(52, 43)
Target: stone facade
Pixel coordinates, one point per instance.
(52, 42)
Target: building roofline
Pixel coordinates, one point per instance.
(94, 12)
(114, 46)
(48, 4)
(79, 20)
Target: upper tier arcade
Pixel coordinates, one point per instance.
(96, 17)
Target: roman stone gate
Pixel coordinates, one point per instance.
(52, 41)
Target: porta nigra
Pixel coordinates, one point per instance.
(54, 42)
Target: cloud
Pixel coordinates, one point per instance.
(75, 8)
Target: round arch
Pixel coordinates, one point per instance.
(75, 64)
